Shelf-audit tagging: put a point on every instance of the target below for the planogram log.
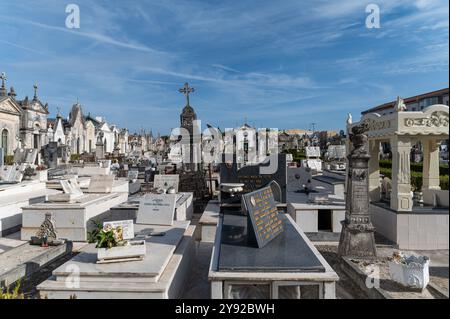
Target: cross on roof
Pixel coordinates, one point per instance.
(3, 77)
(186, 90)
(35, 90)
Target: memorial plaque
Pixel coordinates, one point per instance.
(166, 181)
(263, 223)
(127, 228)
(101, 184)
(251, 175)
(336, 152)
(156, 209)
(71, 187)
(30, 156)
(312, 151)
(19, 155)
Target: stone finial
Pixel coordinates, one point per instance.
(12, 93)
(399, 105)
(349, 119)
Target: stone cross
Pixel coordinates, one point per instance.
(186, 90)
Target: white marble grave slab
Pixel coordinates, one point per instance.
(156, 209)
(101, 184)
(312, 151)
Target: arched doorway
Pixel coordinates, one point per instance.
(4, 141)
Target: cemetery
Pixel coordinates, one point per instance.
(144, 224)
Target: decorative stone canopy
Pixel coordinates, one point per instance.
(402, 129)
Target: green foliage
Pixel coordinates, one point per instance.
(74, 157)
(297, 155)
(106, 237)
(415, 167)
(92, 235)
(9, 159)
(417, 178)
(14, 294)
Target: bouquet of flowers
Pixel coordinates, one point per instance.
(109, 237)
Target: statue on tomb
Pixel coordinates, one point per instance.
(359, 139)
(399, 105)
(47, 230)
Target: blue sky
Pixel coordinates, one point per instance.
(281, 64)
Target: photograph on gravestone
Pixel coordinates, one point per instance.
(126, 228)
(156, 209)
(263, 224)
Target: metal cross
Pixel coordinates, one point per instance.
(186, 90)
(35, 90)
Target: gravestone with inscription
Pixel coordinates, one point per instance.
(357, 236)
(156, 209)
(165, 181)
(101, 184)
(256, 176)
(263, 223)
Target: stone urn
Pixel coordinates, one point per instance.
(410, 270)
(134, 250)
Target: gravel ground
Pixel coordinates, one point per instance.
(345, 287)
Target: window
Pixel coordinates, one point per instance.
(4, 141)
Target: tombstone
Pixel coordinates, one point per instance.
(51, 154)
(30, 156)
(289, 158)
(156, 209)
(71, 190)
(263, 223)
(6, 173)
(101, 184)
(336, 152)
(251, 175)
(166, 181)
(19, 155)
(2, 157)
(99, 147)
(132, 176)
(357, 236)
(312, 151)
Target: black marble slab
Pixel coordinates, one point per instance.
(288, 252)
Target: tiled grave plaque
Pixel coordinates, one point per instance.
(263, 222)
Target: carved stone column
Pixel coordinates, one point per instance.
(430, 164)
(374, 171)
(357, 236)
(401, 199)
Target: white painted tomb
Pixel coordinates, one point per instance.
(316, 217)
(398, 218)
(184, 208)
(72, 218)
(14, 196)
(161, 274)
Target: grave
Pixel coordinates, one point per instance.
(266, 255)
(161, 274)
(72, 217)
(13, 196)
(164, 181)
(156, 209)
(184, 208)
(253, 176)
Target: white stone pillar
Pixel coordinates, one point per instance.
(401, 199)
(374, 171)
(430, 164)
